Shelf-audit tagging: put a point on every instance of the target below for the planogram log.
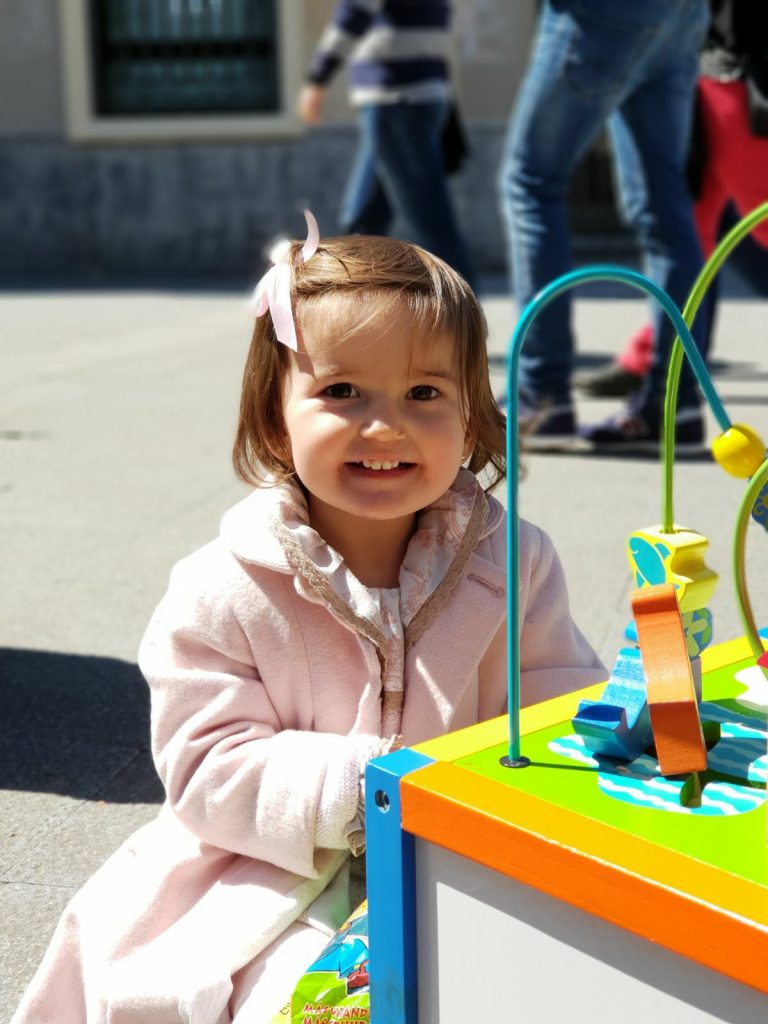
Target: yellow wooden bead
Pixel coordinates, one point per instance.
(740, 451)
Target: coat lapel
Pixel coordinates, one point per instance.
(443, 659)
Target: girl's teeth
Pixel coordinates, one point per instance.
(376, 464)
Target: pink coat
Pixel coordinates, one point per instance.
(274, 676)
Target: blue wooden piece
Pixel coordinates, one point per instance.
(760, 508)
(390, 873)
(619, 724)
(697, 626)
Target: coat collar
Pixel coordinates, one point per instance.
(249, 528)
(270, 528)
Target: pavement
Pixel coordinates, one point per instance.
(116, 421)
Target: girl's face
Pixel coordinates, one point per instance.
(375, 420)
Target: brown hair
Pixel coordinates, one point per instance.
(381, 274)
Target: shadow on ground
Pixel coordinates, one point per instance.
(75, 725)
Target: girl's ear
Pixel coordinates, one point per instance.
(469, 447)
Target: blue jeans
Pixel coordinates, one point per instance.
(632, 66)
(399, 166)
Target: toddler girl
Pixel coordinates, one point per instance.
(355, 600)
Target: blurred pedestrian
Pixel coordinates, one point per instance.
(729, 162)
(400, 84)
(633, 67)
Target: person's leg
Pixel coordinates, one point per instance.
(580, 70)
(653, 126)
(633, 196)
(365, 209)
(407, 153)
(712, 198)
(708, 210)
(625, 374)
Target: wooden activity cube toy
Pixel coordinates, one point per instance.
(577, 888)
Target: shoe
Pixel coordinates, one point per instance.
(614, 382)
(633, 430)
(546, 427)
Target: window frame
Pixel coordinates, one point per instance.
(83, 124)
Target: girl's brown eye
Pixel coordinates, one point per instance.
(424, 392)
(342, 390)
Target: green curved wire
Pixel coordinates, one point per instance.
(739, 551)
(694, 300)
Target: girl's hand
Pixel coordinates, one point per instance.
(309, 105)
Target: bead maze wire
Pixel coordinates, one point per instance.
(700, 288)
(754, 487)
(600, 272)
(691, 307)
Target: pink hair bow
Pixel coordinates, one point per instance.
(273, 292)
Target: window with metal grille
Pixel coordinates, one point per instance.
(161, 57)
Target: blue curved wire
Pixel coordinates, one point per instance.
(599, 272)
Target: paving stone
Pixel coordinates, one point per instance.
(29, 914)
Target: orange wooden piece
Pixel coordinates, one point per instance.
(677, 734)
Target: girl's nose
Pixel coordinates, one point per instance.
(383, 424)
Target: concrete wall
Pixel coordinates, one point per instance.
(197, 211)
(30, 70)
(202, 209)
(491, 42)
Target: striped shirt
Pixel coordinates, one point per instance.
(397, 50)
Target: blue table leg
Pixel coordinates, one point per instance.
(391, 891)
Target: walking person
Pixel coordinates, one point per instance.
(633, 67)
(729, 162)
(400, 85)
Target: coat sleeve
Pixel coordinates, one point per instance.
(554, 656)
(350, 20)
(232, 773)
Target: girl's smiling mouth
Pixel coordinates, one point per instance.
(380, 467)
